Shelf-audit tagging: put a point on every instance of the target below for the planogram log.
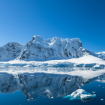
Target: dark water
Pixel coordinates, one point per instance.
(45, 89)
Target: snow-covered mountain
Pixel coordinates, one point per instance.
(38, 49)
(99, 54)
(55, 48)
(10, 51)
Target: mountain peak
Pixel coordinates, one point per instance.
(37, 38)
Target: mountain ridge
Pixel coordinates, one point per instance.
(38, 49)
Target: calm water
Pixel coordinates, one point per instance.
(48, 89)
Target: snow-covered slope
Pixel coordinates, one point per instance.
(103, 53)
(99, 54)
(10, 51)
(55, 48)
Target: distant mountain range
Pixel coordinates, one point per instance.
(38, 49)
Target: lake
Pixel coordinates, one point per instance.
(42, 88)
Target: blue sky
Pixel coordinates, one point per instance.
(84, 19)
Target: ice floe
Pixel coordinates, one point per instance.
(80, 94)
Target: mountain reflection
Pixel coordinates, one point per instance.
(34, 85)
(48, 85)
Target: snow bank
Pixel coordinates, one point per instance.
(85, 61)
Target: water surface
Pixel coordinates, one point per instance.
(48, 89)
